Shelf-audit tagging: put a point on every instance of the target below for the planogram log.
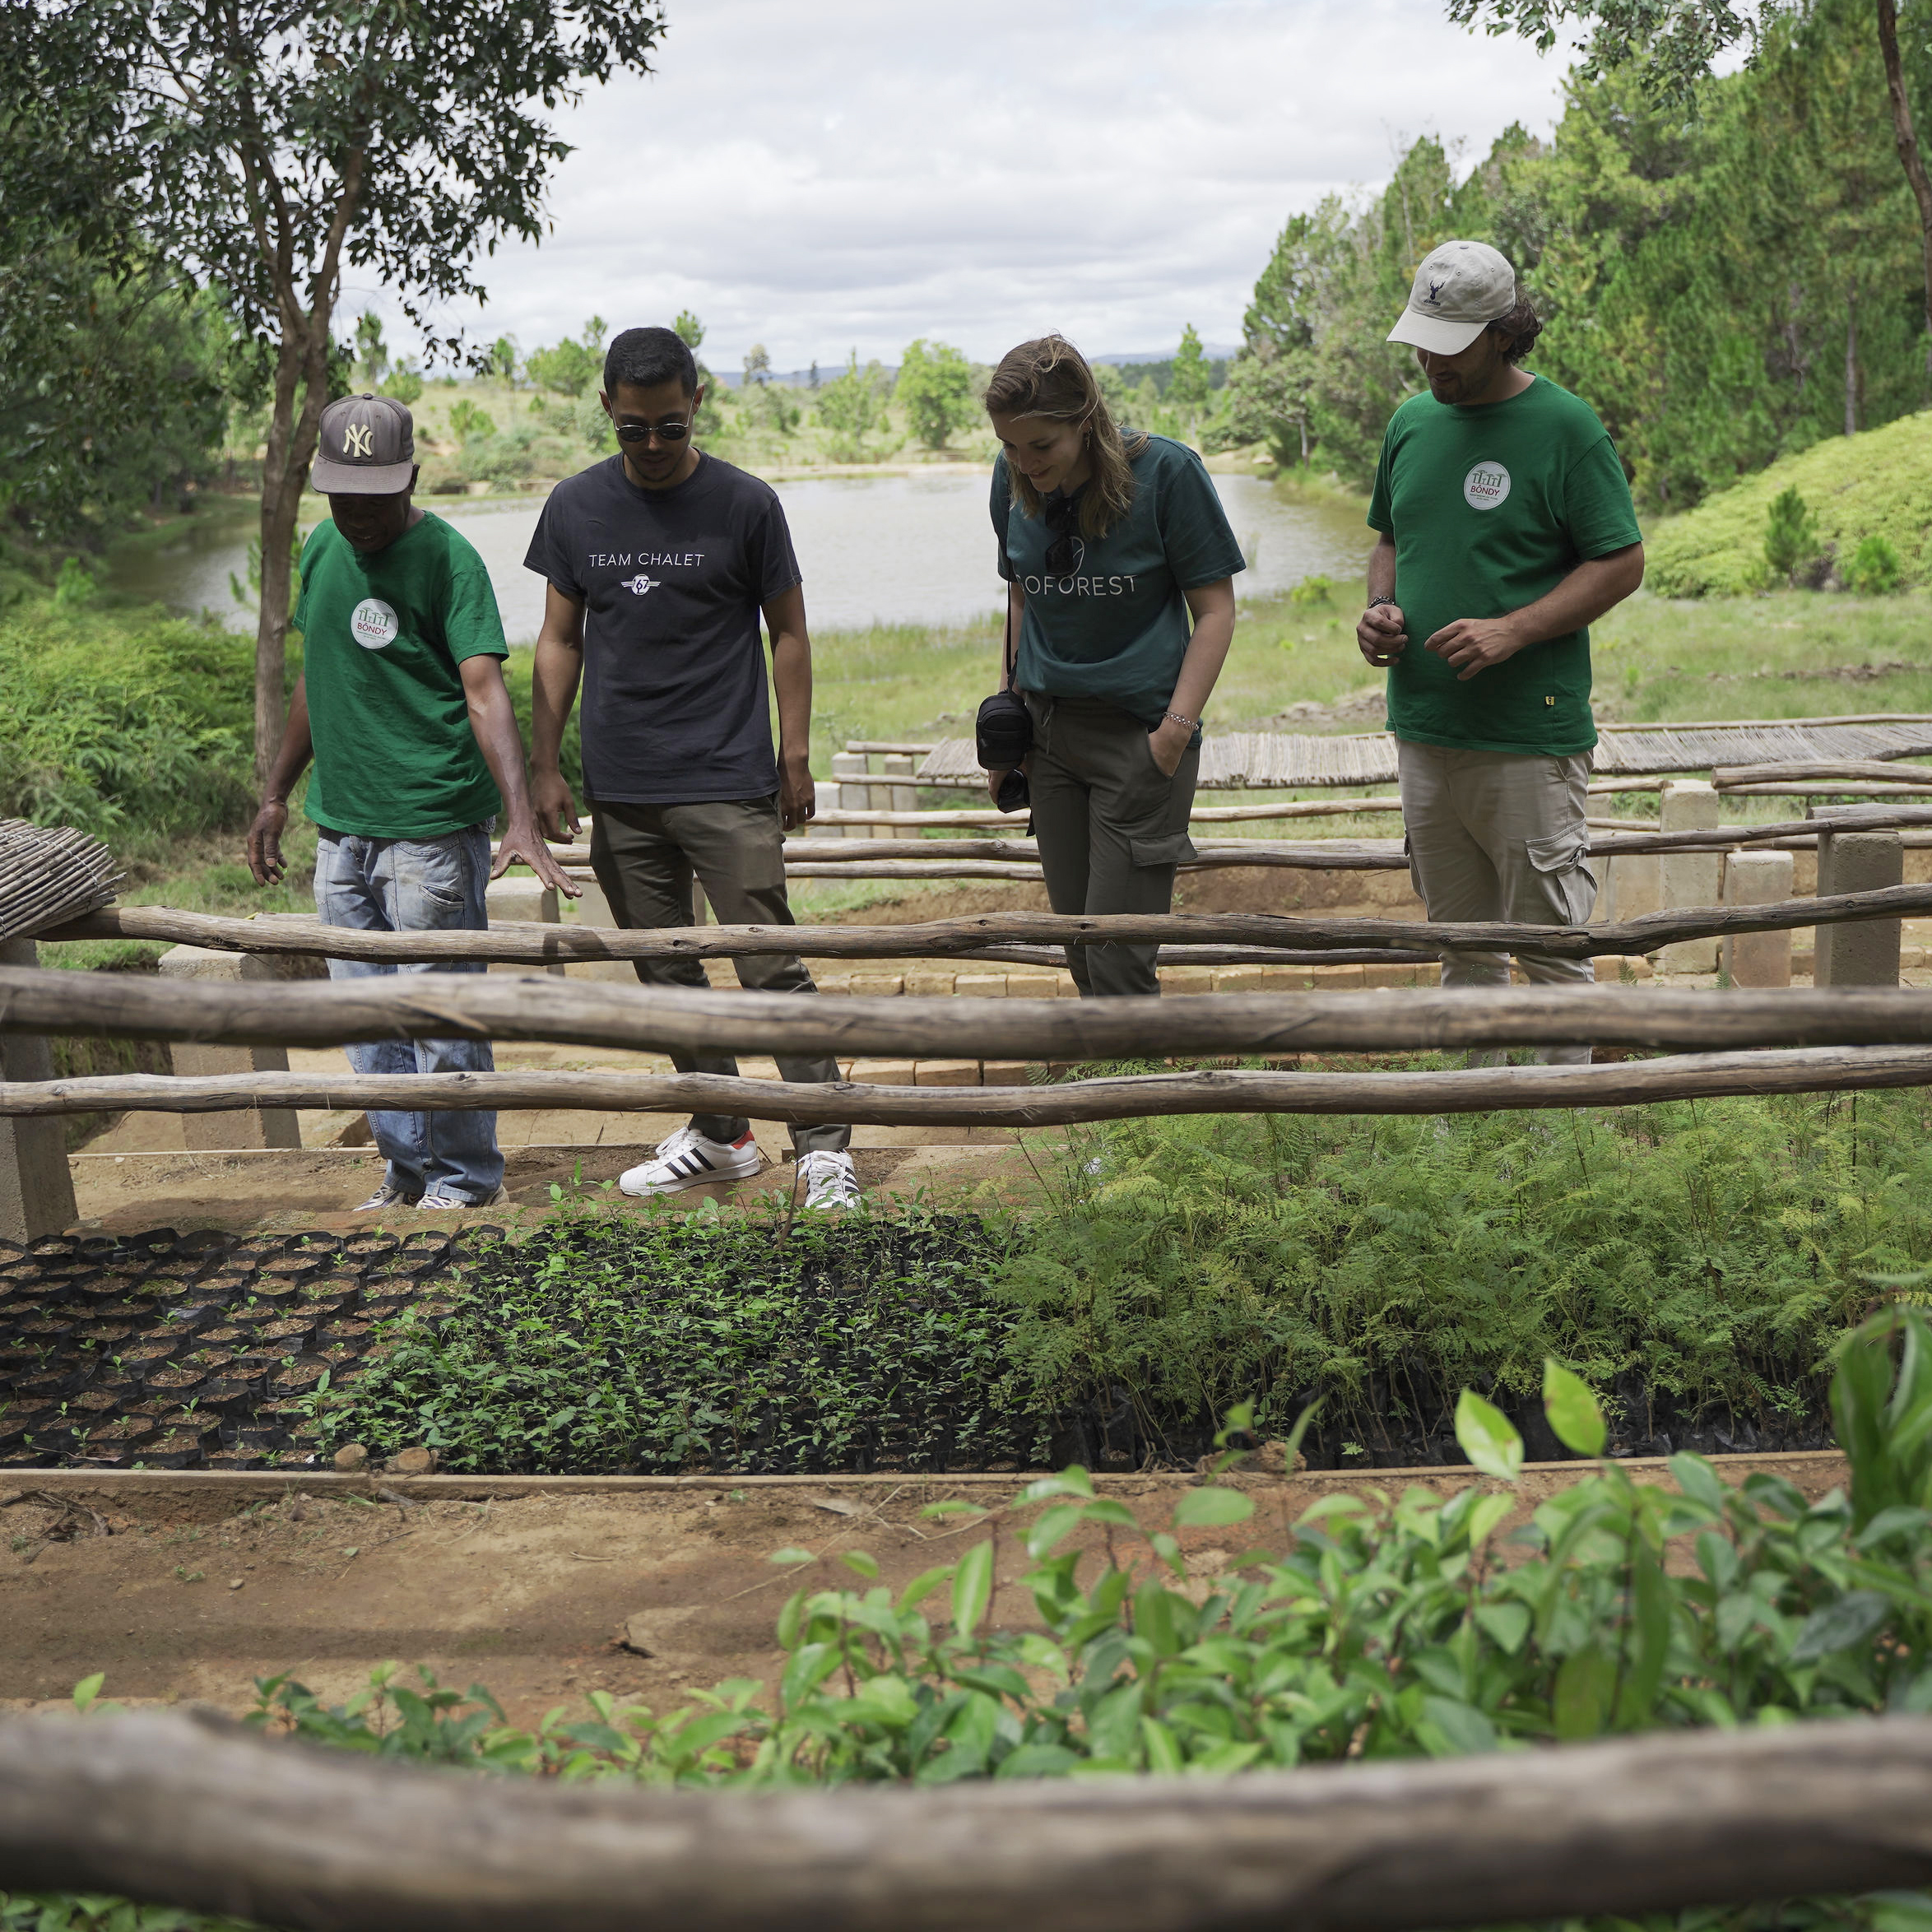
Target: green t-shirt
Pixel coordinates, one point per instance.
(1117, 625)
(1491, 507)
(381, 637)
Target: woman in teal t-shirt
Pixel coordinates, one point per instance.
(1120, 568)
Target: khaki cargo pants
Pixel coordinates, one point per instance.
(1111, 828)
(645, 858)
(1500, 835)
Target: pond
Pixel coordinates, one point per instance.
(888, 550)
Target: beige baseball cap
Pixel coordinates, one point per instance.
(366, 447)
(1460, 290)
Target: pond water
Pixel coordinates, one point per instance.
(887, 549)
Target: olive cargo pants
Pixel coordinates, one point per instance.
(645, 858)
(1500, 835)
(1111, 826)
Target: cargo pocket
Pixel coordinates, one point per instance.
(1174, 848)
(1561, 865)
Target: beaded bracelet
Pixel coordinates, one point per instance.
(1193, 724)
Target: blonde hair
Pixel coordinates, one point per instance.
(1050, 378)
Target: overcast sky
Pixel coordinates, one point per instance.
(856, 173)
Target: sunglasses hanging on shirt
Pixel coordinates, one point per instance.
(670, 432)
(1064, 549)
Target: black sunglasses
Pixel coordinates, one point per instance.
(1062, 519)
(673, 432)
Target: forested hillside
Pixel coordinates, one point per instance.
(1725, 289)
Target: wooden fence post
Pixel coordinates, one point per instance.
(36, 1186)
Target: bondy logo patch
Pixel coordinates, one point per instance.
(374, 624)
(1485, 486)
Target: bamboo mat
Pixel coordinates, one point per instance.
(1284, 760)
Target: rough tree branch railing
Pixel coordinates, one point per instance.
(543, 945)
(1696, 1076)
(164, 1808)
(434, 1005)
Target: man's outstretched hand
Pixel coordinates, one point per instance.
(265, 859)
(522, 842)
(1473, 644)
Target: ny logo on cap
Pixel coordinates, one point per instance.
(356, 440)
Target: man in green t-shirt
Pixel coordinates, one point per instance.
(401, 705)
(1506, 530)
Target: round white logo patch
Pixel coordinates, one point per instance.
(1485, 486)
(374, 624)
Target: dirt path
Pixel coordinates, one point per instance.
(188, 1588)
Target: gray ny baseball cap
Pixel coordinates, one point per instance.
(1460, 290)
(367, 447)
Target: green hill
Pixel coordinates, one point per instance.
(1878, 483)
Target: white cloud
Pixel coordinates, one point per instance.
(857, 172)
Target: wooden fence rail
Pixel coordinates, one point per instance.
(1695, 1076)
(203, 1816)
(432, 1005)
(537, 946)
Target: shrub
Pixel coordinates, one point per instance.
(469, 421)
(1384, 1629)
(1874, 570)
(1790, 534)
(1313, 593)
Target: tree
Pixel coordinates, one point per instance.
(758, 366)
(372, 353)
(502, 360)
(935, 388)
(852, 406)
(572, 367)
(1678, 41)
(265, 146)
(1188, 384)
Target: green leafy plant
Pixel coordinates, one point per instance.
(1875, 569)
(1790, 534)
(1313, 593)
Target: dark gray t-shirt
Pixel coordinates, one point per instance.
(674, 707)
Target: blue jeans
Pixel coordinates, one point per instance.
(415, 885)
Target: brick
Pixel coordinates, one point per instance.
(1327, 978)
(1186, 979)
(877, 986)
(835, 983)
(1034, 986)
(928, 986)
(946, 1073)
(1388, 976)
(882, 1073)
(980, 986)
(1069, 988)
(1002, 1073)
(1286, 979)
(1237, 979)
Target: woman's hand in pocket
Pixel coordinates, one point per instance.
(1167, 745)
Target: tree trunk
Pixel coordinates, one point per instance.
(1906, 136)
(281, 498)
(1852, 384)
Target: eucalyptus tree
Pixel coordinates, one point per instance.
(268, 147)
(1678, 41)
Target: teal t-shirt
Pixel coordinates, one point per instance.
(1491, 507)
(1117, 625)
(381, 637)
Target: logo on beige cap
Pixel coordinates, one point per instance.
(1485, 486)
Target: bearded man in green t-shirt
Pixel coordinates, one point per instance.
(1506, 529)
(402, 707)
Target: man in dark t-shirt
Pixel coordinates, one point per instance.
(659, 563)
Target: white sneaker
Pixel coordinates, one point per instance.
(687, 1158)
(388, 1195)
(831, 1181)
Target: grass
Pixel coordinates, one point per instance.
(1878, 483)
